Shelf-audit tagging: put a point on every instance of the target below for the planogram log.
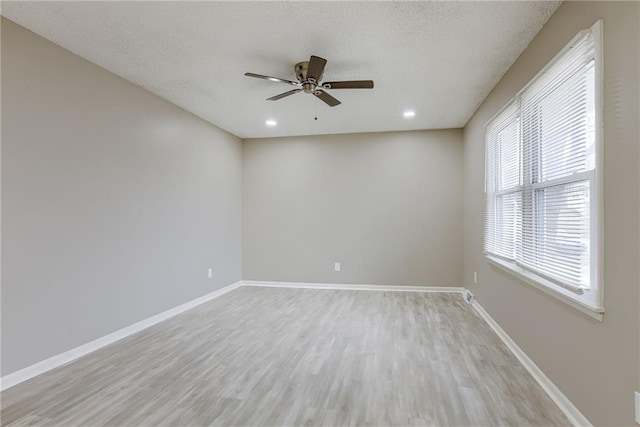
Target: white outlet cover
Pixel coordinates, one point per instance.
(336, 266)
(210, 273)
(637, 407)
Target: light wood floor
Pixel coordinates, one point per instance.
(276, 356)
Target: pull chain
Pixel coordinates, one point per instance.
(316, 107)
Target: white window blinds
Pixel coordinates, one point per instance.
(540, 172)
(503, 184)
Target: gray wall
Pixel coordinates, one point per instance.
(387, 206)
(114, 202)
(594, 364)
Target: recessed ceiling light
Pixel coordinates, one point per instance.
(409, 114)
(271, 122)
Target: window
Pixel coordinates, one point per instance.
(542, 178)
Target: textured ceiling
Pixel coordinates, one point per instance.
(440, 59)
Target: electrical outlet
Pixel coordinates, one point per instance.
(475, 277)
(637, 407)
(210, 273)
(336, 266)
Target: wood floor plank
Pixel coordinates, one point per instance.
(309, 357)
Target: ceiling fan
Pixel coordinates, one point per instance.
(309, 75)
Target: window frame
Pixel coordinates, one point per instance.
(590, 302)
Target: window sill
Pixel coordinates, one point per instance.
(558, 292)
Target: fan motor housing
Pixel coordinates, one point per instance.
(308, 86)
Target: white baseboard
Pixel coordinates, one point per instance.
(68, 356)
(363, 287)
(573, 414)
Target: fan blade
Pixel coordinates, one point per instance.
(282, 95)
(351, 84)
(316, 68)
(328, 99)
(273, 79)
